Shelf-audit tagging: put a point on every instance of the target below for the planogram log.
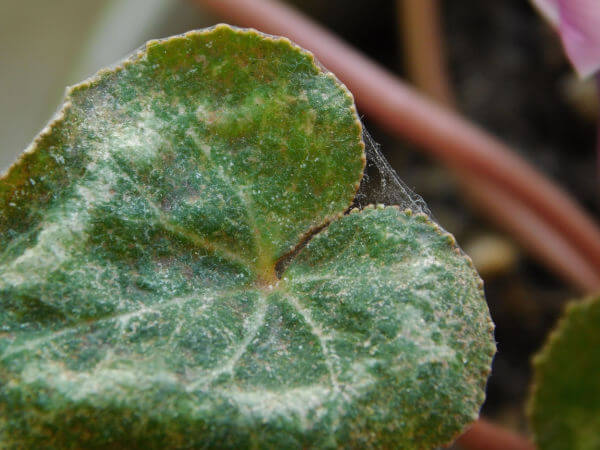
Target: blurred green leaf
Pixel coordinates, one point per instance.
(565, 403)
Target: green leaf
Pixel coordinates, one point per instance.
(156, 292)
(564, 407)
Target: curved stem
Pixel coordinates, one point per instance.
(448, 137)
(483, 435)
(533, 234)
(421, 31)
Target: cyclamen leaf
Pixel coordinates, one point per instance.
(564, 408)
(139, 298)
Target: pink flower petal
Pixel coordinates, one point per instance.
(578, 22)
(580, 32)
(549, 9)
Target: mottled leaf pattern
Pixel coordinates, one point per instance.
(154, 291)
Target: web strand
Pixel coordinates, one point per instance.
(381, 184)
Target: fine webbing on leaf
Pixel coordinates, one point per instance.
(381, 184)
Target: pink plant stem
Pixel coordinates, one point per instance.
(419, 29)
(421, 34)
(483, 435)
(447, 136)
(533, 233)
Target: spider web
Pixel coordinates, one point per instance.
(381, 184)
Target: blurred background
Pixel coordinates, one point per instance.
(506, 72)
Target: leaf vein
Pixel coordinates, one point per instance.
(121, 318)
(321, 336)
(256, 322)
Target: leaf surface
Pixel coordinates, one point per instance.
(146, 299)
(564, 408)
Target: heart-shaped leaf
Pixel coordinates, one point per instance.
(565, 403)
(154, 287)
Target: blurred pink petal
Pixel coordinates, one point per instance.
(549, 9)
(578, 23)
